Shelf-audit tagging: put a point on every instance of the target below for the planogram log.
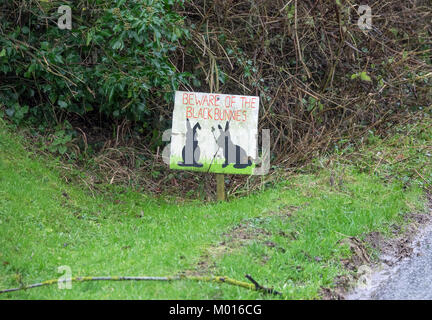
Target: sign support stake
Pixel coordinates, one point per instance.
(220, 189)
(220, 178)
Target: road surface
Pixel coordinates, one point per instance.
(409, 279)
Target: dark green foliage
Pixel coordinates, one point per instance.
(114, 60)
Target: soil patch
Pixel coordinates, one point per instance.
(240, 236)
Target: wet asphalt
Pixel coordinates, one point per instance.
(413, 279)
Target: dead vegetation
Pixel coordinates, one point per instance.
(299, 56)
(323, 83)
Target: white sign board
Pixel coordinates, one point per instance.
(214, 132)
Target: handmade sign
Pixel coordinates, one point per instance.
(214, 132)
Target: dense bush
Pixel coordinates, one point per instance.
(115, 60)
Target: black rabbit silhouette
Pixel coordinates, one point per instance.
(233, 153)
(190, 159)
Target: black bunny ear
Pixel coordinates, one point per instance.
(227, 126)
(219, 126)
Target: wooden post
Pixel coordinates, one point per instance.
(220, 190)
(220, 178)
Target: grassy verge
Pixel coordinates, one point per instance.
(286, 237)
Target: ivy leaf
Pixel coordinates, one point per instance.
(10, 112)
(62, 104)
(89, 38)
(364, 76)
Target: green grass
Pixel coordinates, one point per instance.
(293, 229)
(212, 166)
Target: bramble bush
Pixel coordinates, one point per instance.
(113, 61)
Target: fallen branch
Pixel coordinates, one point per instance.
(427, 182)
(220, 279)
(258, 287)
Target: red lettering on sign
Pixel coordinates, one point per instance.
(211, 107)
(217, 114)
(191, 99)
(217, 97)
(189, 112)
(185, 99)
(211, 100)
(227, 101)
(253, 103)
